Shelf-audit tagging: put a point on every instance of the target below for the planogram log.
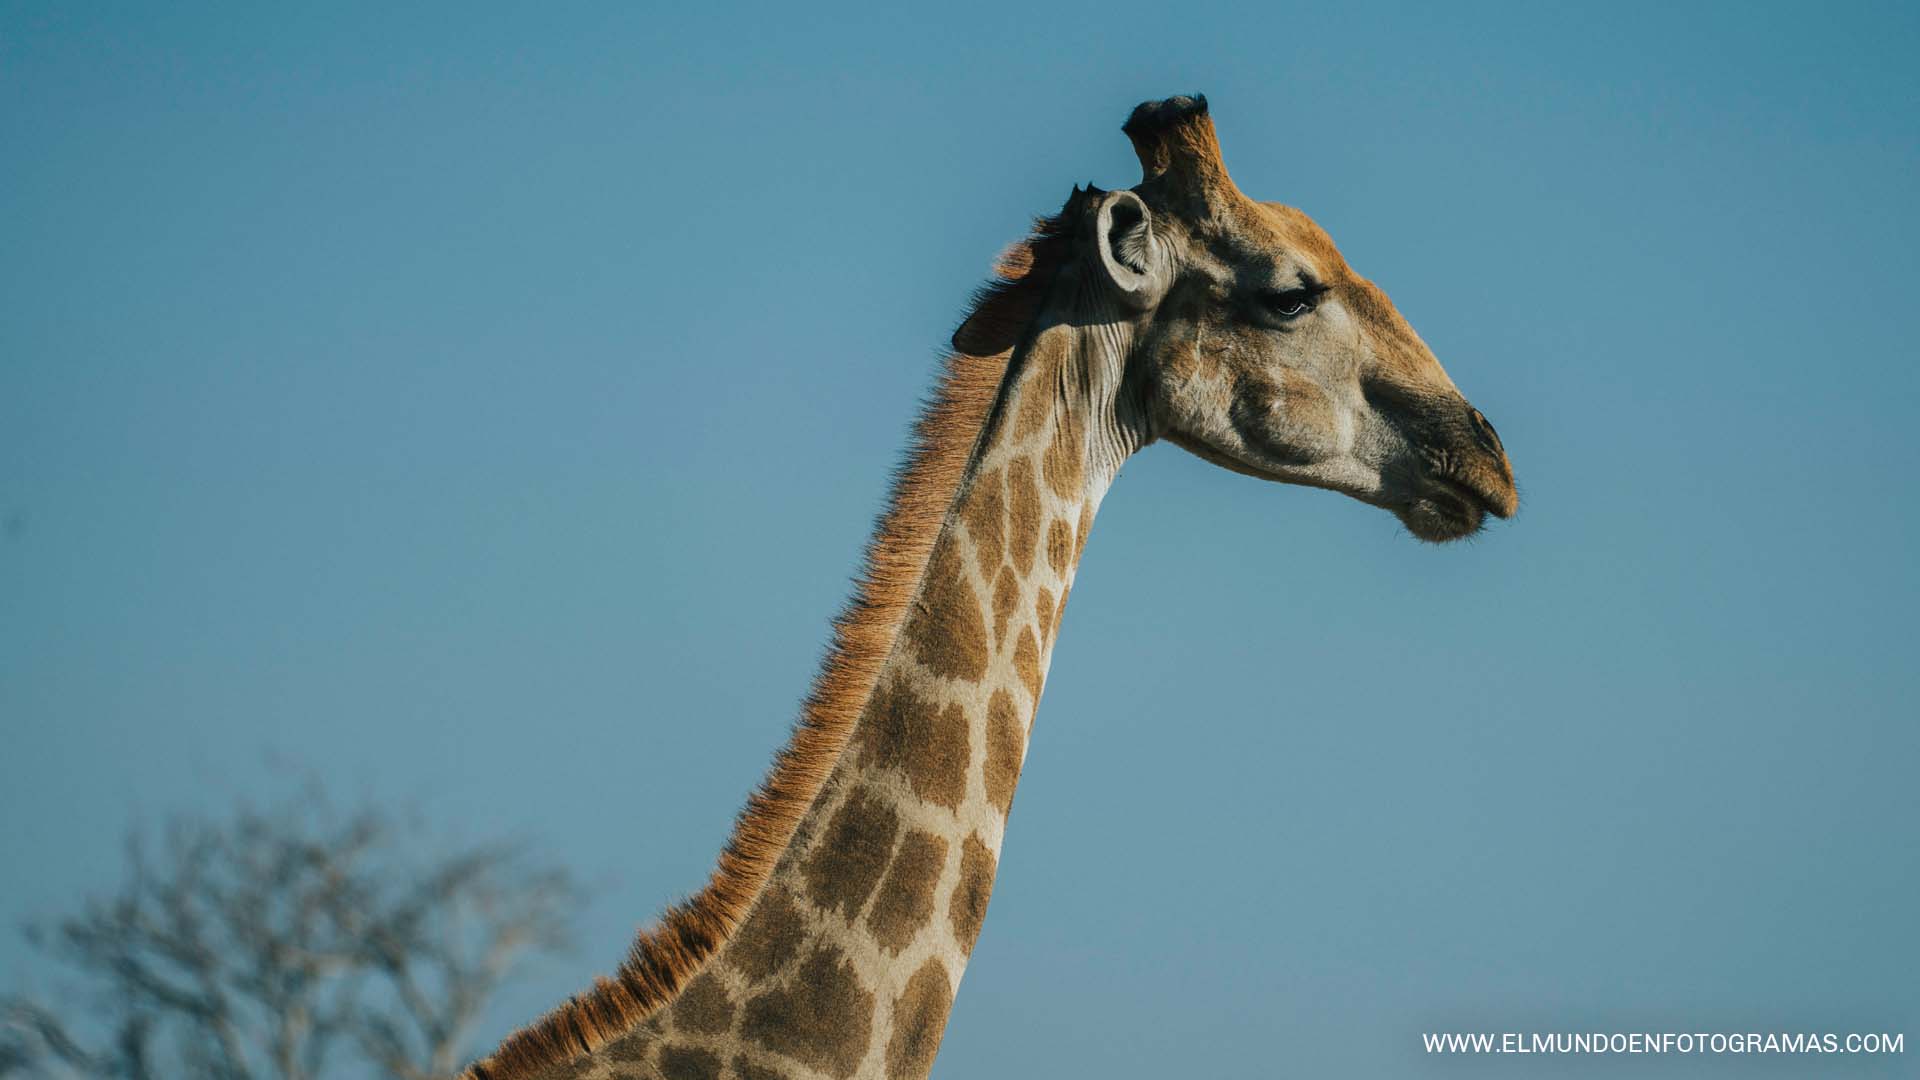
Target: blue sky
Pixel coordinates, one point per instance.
(482, 409)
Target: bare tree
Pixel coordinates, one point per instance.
(293, 943)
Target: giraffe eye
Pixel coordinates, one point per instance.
(1291, 303)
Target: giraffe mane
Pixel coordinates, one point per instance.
(665, 956)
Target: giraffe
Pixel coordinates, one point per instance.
(832, 937)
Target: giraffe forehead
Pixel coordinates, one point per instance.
(1291, 229)
(1272, 244)
(1264, 245)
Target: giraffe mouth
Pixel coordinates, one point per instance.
(1444, 510)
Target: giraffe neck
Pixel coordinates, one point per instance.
(848, 960)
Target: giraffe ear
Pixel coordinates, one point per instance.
(1137, 264)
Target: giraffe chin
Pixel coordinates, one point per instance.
(1439, 517)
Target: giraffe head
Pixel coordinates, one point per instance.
(1257, 347)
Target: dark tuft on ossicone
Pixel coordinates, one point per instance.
(1152, 117)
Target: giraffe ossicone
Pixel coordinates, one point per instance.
(832, 937)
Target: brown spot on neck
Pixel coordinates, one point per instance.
(743, 1069)
(1043, 614)
(1059, 546)
(985, 516)
(1006, 745)
(1026, 662)
(704, 1006)
(929, 744)
(906, 896)
(947, 630)
(846, 865)
(1023, 514)
(635, 1047)
(689, 1063)
(1006, 597)
(771, 936)
(919, 1020)
(823, 1019)
(968, 906)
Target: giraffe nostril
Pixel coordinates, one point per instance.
(1483, 430)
